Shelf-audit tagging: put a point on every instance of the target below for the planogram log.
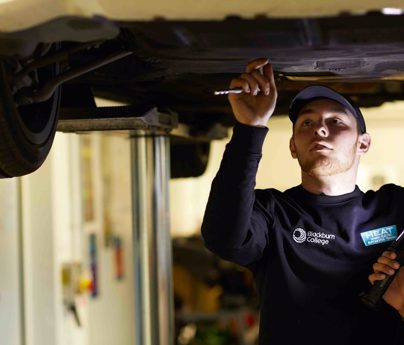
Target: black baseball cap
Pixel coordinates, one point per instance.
(313, 92)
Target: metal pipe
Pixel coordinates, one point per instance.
(152, 257)
(43, 94)
(46, 60)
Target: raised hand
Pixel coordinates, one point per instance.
(257, 103)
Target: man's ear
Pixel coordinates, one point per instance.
(364, 142)
(292, 147)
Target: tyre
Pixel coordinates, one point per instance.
(26, 132)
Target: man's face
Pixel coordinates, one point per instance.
(325, 139)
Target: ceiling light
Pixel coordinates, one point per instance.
(391, 11)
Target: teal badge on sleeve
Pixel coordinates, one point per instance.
(381, 235)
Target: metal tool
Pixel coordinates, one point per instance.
(231, 91)
(227, 92)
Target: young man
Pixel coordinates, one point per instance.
(312, 247)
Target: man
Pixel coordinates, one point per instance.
(312, 247)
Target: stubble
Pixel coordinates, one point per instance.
(328, 164)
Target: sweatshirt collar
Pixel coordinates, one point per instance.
(326, 199)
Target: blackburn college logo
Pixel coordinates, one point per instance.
(300, 235)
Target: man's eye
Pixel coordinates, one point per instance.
(337, 121)
(306, 123)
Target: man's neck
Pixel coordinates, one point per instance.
(329, 185)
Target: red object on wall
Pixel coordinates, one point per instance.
(118, 258)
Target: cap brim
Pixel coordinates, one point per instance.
(319, 91)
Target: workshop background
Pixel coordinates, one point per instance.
(66, 241)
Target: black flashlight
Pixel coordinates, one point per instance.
(373, 296)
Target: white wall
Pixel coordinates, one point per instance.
(38, 256)
(385, 160)
(55, 233)
(11, 326)
(111, 314)
(51, 237)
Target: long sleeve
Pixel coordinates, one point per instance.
(234, 228)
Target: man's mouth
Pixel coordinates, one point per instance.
(316, 147)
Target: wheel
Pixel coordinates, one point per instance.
(26, 132)
(188, 158)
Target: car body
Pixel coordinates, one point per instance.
(167, 58)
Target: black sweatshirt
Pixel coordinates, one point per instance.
(310, 254)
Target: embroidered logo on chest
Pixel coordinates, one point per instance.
(380, 235)
(320, 238)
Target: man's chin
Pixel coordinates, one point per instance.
(324, 167)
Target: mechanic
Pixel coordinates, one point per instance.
(312, 247)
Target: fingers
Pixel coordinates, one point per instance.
(262, 81)
(258, 77)
(376, 276)
(269, 74)
(388, 259)
(248, 82)
(385, 265)
(256, 64)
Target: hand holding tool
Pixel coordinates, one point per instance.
(373, 296)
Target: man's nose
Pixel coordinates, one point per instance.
(321, 129)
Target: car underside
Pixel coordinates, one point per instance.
(178, 65)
